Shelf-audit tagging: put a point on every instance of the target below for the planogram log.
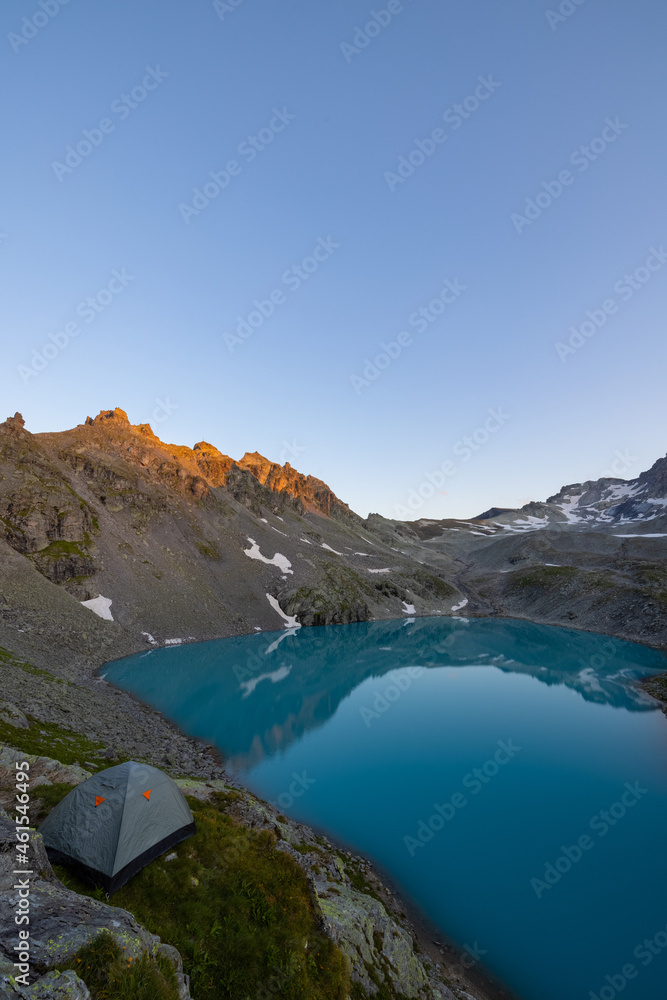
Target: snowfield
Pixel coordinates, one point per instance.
(282, 562)
(101, 606)
(290, 620)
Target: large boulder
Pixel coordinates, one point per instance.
(61, 921)
(362, 928)
(43, 770)
(13, 716)
(57, 986)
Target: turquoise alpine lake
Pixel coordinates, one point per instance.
(511, 778)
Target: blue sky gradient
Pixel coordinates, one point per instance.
(339, 121)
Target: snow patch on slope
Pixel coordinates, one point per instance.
(282, 562)
(289, 619)
(101, 606)
(641, 535)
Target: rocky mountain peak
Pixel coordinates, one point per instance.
(208, 451)
(104, 415)
(16, 423)
(494, 512)
(655, 479)
(147, 431)
(213, 464)
(313, 493)
(252, 460)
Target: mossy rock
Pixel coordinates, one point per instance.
(340, 597)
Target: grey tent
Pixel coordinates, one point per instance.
(112, 825)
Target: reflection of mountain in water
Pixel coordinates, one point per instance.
(255, 695)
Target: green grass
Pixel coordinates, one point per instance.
(309, 849)
(59, 550)
(12, 527)
(208, 550)
(388, 589)
(339, 590)
(545, 576)
(14, 661)
(358, 879)
(109, 975)
(430, 585)
(653, 574)
(40, 672)
(240, 913)
(46, 739)
(600, 580)
(557, 576)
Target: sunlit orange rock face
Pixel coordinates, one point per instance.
(213, 464)
(206, 462)
(110, 435)
(314, 494)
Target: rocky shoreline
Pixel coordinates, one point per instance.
(657, 688)
(465, 979)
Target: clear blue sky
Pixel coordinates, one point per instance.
(330, 174)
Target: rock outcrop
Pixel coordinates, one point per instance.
(53, 986)
(313, 494)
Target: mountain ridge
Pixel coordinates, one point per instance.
(607, 500)
(205, 461)
(620, 499)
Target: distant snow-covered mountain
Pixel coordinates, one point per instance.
(609, 503)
